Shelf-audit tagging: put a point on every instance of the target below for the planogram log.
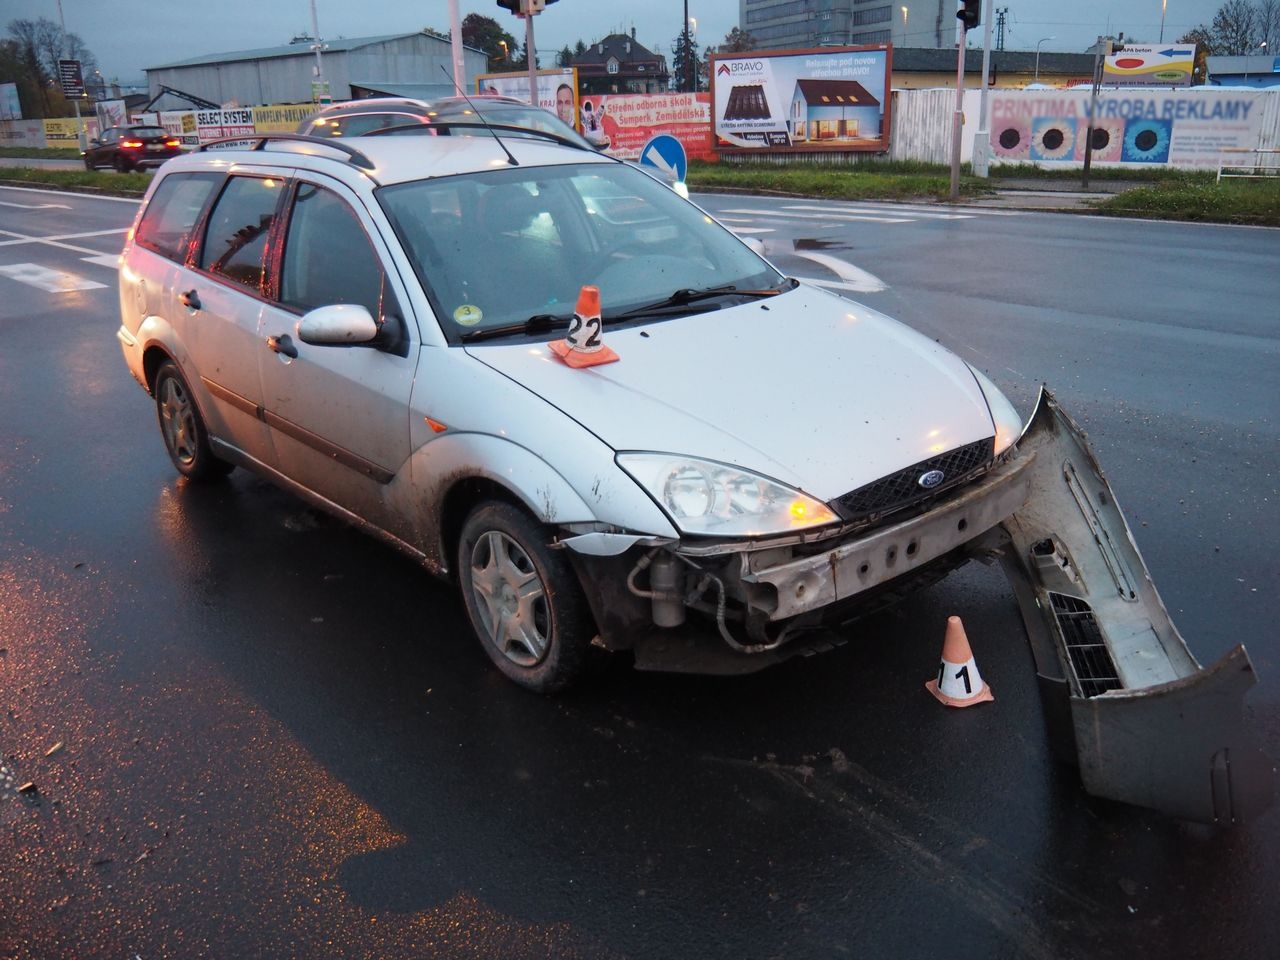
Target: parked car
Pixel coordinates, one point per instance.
(548, 378)
(136, 147)
(465, 115)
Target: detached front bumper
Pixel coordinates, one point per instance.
(1148, 725)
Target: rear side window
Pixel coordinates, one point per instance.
(175, 207)
(235, 241)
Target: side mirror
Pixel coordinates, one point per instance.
(681, 188)
(95, 142)
(341, 324)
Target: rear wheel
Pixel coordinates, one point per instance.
(523, 599)
(183, 429)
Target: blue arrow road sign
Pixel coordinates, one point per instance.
(666, 154)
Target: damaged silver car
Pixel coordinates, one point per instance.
(550, 379)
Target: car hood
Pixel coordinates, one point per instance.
(807, 388)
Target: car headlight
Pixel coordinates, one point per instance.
(1008, 423)
(716, 499)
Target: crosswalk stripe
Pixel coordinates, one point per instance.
(925, 214)
(111, 260)
(52, 281)
(819, 216)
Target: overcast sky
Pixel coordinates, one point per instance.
(128, 35)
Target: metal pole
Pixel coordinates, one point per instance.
(530, 56)
(315, 38)
(1164, 5)
(688, 74)
(455, 46)
(1038, 42)
(957, 119)
(981, 140)
(1103, 44)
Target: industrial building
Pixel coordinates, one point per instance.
(410, 65)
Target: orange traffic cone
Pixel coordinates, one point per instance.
(585, 346)
(958, 683)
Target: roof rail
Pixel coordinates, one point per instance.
(356, 157)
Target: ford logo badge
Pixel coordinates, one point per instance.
(931, 479)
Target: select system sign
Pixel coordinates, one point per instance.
(1159, 66)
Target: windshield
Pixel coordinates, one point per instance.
(496, 249)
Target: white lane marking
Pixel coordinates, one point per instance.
(871, 211)
(855, 277)
(835, 285)
(751, 230)
(36, 206)
(70, 193)
(818, 216)
(22, 238)
(52, 281)
(111, 260)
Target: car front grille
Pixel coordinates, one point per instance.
(902, 489)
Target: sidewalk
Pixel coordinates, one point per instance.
(1036, 194)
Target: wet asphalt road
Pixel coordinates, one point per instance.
(276, 739)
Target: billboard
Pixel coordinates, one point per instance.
(10, 106)
(828, 99)
(627, 121)
(1160, 66)
(1184, 128)
(557, 91)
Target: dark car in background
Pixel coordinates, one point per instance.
(131, 148)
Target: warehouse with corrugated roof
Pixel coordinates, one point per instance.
(408, 64)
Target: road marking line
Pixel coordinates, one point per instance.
(54, 242)
(37, 206)
(111, 260)
(72, 193)
(52, 281)
(854, 278)
(820, 216)
(926, 214)
(752, 230)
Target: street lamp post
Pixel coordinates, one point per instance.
(1164, 5)
(1038, 42)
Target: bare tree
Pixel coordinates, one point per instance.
(1268, 22)
(1233, 28)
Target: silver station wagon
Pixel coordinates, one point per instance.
(552, 380)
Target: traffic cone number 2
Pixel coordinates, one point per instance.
(592, 327)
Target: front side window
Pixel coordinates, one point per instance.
(175, 207)
(235, 241)
(328, 257)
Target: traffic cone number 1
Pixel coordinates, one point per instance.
(961, 674)
(956, 669)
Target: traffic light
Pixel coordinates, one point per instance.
(970, 13)
(522, 7)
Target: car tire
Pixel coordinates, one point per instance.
(88, 164)
(121, 164)
(185, 438)
(523, 599)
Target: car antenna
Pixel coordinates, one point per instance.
(457, 86)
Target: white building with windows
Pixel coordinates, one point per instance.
(788, 24)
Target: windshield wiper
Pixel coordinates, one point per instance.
(687, 296)
(538, 323)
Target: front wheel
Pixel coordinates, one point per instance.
(88, 163)
(183, 429)
(523, 599)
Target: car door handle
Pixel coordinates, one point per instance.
(190, 299)
(283, 344)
